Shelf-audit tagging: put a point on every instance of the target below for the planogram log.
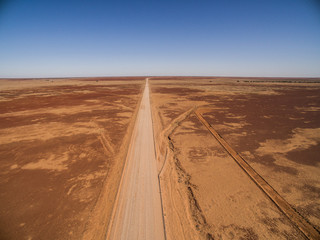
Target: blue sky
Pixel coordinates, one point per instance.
(41, 38)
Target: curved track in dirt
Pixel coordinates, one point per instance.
(137, 213)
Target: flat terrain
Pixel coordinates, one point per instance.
(63, 146)
(273, 124)
(138, 212)
(68, 148)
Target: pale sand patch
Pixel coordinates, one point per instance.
(124, 114)
(93, 101)
(308, 109)
(14, 166)
(85, 181)
(42, 94)
(301, 139)
(295, 118)
(90, 176)
(40, 131)
(236, 135)
(240, 124)
(230, 115)
(53, 110)
(247, 154)
(54, 162)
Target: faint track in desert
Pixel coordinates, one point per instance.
(165, 134)
(137, 212)
(305, 227)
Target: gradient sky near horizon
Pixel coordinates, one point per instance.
(41, 38)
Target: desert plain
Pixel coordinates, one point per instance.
(64, 142)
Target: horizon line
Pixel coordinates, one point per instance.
(157, 76)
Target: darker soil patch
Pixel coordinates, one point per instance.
(181, 91)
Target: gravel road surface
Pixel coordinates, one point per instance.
(137, 213)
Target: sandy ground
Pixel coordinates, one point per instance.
(271, 123)
(63, 146)
(138, 211)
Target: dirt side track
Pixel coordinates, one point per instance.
(272, 123)
(306, 228)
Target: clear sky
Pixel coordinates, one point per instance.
(45, 38)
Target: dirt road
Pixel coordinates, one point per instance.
(137, 213)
